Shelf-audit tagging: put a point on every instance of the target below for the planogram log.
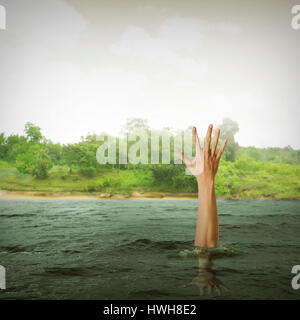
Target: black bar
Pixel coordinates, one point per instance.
(169, 309)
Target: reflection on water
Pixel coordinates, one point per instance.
(139, 249)
(206, 278)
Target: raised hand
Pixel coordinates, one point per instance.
(206, 162)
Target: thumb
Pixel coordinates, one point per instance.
(184, 158)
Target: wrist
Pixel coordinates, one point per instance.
(205, 183)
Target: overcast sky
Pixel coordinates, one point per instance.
(73, 67)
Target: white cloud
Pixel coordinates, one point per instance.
(176, 74)
(183, 35)
(41, 24)
(170, 52)
(175, 50)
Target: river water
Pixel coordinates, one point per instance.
(143, 249)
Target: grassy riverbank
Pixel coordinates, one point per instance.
(242, 179)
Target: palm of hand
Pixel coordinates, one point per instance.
(206, 161)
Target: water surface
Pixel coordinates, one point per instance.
(143, 249)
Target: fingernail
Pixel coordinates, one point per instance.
(210, 125)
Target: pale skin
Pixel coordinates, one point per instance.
(204, 167)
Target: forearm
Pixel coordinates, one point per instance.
(207, 228)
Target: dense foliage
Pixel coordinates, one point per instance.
(31, 162)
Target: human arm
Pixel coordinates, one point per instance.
(204, 167)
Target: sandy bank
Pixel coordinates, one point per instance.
(40, 195)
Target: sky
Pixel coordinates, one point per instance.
(75, 67)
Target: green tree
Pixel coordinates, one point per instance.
(35, 161)
(134, 124)
(81, 155)
(3, 146)
(33, 133)
(15, 145)
(228, 130)
(55, 151)
(42, 164)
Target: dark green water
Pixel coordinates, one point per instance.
(144, 249)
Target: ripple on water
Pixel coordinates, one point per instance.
(206, 252)
(152, 244)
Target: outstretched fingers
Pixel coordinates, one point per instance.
(184, 158)
(215, 142)
(208, 140)
(207, 150)
(221, 150)
(196, 142)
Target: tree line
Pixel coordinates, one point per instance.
(32, 153)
